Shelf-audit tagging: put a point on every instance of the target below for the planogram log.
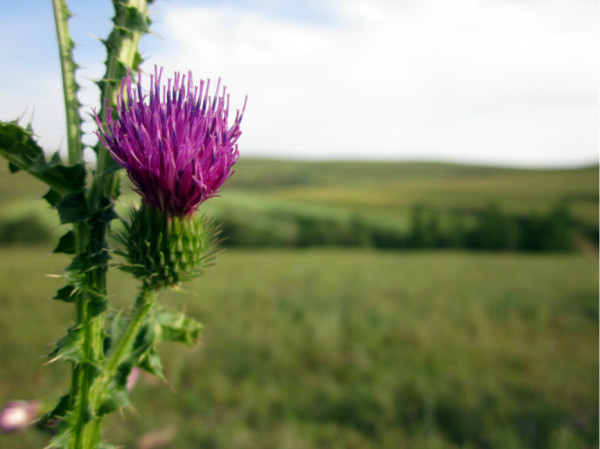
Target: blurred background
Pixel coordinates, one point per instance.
(411, 234)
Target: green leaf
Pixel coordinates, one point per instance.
(116, 395)
(72, 208)
(175, 326)
(137, 60)
(98, 303)
(76, 277)
(55, 159)
(18, 147)
(152, 363)
(115, 399)
(143, 341)
(136, 20)
(69, 347)
(50, 422)
(61, 440)
(23, 153)
(66, 294)
(100, 258)
(52, 197)
(78, 266)
(105, 212)
(71, 178)
(122, 374)
(118, 325)
(83, 262)
(61, 408)
(66, 244)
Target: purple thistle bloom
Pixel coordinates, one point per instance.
(17, 415)
(177, 148)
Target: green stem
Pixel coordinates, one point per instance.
(85, 372)
(83, 375)
(68, 66)
(90, 237)
(143, 305)
(122, 350)
(122, 45)
(79, 378)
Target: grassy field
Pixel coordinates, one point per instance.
(340, 348)
(343, 349)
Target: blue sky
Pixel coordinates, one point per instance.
(496, 82)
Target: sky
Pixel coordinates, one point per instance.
(500, 82)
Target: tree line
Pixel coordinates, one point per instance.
(489, 229)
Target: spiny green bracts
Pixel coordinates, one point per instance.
(164, 251)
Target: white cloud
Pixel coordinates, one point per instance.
(429, 79)
(502, 81)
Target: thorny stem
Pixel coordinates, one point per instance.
(143, 306)
(92, 328)
(123, 55)
(68, 66)
(90, 237)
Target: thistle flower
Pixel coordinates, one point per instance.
(177, 147)
(17, 415)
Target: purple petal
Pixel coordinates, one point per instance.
(176, 147)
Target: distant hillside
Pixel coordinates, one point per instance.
(273, 199)
(392, 188)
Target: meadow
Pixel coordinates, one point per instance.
(345, 347)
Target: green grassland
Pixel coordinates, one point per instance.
(343, 349)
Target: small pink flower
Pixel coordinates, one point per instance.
(17, 415)
(133, 377)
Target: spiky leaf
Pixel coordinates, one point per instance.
(23, 153)
(66, 244)
(66, 294)
(52, 197)
(151, 363)
(69, 347)
(62, 439)
(176, 327)
(73, 208)
(116, 395)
